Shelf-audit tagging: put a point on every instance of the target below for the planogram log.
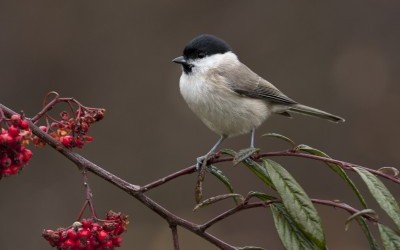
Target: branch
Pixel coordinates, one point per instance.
(185, 171)
(344, 165)
(245, 206)
(234, 210)
(173, 220)
(133, 190)
(175, 239)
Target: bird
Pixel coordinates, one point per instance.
(227, 96)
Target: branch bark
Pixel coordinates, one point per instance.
(138, 192)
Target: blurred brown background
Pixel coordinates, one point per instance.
(340, 56)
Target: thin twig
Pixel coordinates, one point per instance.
(342, 164)
(234, 210)
(245, 206)
(185, 171)
(343, 206)
(175, 239)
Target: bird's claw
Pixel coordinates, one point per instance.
(199, 162)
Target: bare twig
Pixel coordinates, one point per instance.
(234, 210)
(175, 239)
(344, 165)
(245, 206)
(185, 171)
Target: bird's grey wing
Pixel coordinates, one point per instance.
(247, 83)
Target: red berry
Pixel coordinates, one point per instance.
(67, 140)
(119, 230)
(69, 243)
(19, 159)
(80, 244)
(27, 154)
(96, 227)
(108, 244)
(84, 233)
(64, 115)
(86, 223)
(88, 138)
(15, 119)
(109, 226)
(102, 236)
(14, 169)
(71, 234)
(117, 241)
(6, 161)
(7, 139)
(13, 131)
(43, 128)
(94, 242)
(24, 124)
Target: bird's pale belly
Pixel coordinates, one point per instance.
(223, 111)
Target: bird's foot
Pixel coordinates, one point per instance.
(200, 161)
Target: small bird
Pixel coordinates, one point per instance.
(229, 97)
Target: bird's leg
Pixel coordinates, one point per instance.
(253, 132)
(202, 160)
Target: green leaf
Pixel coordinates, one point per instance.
(390, 239)
(244, 154)
(259, 171)
(227, 151)
(220, 176)
(259, 195)
(357, 215)
(251, 248)
(287, 139)
(215, 199)
(297, 203)
(381, 194)
(291, 235)
(336, 169)
(371, 240)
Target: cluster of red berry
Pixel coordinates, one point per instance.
(90, 235)
(72, 131)
(13, 154)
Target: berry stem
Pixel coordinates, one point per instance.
(85, 204)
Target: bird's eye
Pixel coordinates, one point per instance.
(202, 55)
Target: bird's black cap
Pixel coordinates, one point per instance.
(205, 45)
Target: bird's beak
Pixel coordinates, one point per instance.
(180, 60)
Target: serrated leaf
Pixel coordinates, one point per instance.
(381, 194)
(259, 171)
(357, 215)
(251, 248)
(292, 237)
(243, 154)
(259, 195)
(297, 202)
(390, 240)
(287, 139)
(215, 199)
(336, 169)
(220, 176)
(371, 240)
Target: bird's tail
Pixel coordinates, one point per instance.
(303, 109)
